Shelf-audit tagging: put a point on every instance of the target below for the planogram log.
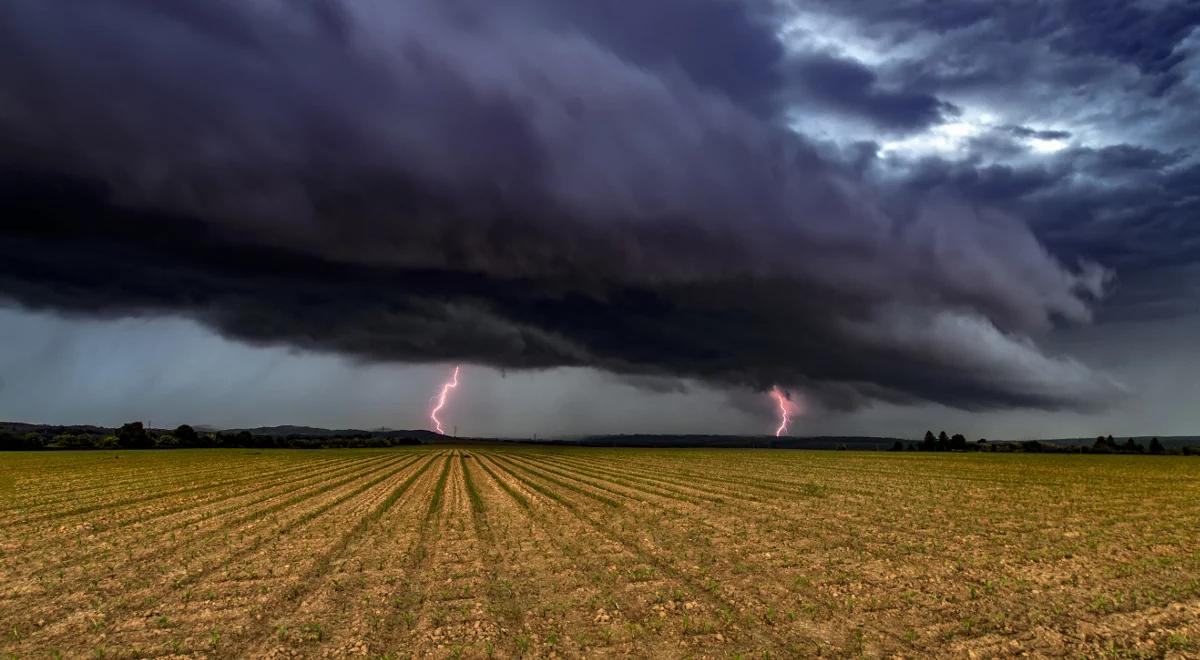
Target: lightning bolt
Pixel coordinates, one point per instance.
(785, 410)
(441, 401)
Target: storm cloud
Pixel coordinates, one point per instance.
(849, 87)
(427, 181)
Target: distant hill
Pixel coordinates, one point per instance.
(735, 441)
(52, 429)
(289, 430)
(1167, 441)
(299, 436)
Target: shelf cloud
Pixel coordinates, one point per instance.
(521, 185)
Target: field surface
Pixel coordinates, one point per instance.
(506, 551)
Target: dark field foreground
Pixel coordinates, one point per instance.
(507, 551)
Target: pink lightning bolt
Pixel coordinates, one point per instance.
(786, 409)
(441, 401)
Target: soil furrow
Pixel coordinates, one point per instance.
(98, 603)
(96, 536)
(735, 606)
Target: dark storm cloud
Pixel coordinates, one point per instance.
(849, 87)
(1123, 160)
(1130, 207)
(1114, 84)
(1026, 132)
(1128, 32)
(425, 181)
(726, 47)
(1141, 34)
(1036, 56)
(985, 183)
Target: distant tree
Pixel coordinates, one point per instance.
(1156, 446)
(244, 439)
(943, 441)
(1032, 446)
(186, 435)
(897, 446)
(1101, 445)
(958, 442)
(1132, 446)
(929, 444)
(26, 442)
(1112, 444)
(133, 436)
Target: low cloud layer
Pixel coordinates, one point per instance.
(427, 181)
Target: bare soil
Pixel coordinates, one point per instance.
(505, 551)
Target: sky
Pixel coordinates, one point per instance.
(618, 217)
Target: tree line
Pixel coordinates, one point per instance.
(135, 435)
(1102, 445)
(941, 442)
(1106, 445)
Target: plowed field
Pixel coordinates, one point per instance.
(510, 550)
